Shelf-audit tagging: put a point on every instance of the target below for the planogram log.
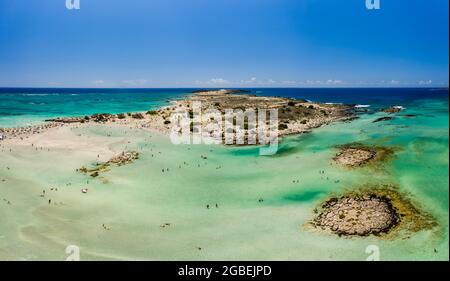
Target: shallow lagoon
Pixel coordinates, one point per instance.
(137, 199)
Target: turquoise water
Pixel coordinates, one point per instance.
(137, 199)
(28, 106)
(19, 106)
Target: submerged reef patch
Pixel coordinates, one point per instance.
(126, 157)
(371, 210)
(357, 154)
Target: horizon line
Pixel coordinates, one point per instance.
(218, 88)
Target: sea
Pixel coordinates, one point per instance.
(26, 106)
(214, 202)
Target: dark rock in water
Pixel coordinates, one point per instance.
(66, 120)
(351, 118)
(409, 115)
(392, 109)
(385, 118)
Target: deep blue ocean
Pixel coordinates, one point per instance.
(25, 106)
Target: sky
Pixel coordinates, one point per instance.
(224, 43)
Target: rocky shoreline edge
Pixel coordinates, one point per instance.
(295, 115)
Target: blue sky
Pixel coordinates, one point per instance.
(223, 43)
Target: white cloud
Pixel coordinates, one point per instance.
(290, 83)
(394, 82)
(99, 82)
(212, 82)
(428, 82)
(322, 82)
(218, 81)
(252, 80)
(134, 83)
(255, 81)
(334, 82)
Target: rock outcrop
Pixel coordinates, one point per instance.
(356, 154)
(357, 215)
(392, 109)
(123, 158)
(371, 210)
